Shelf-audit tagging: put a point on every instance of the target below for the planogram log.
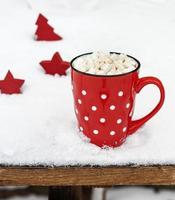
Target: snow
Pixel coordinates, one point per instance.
(39, 126)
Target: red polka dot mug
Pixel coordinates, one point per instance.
(104, 105)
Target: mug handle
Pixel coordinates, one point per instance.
(142, 82)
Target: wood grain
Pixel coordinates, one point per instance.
(88, 176)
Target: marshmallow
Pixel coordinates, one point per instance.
(92, 71)
(101, 63)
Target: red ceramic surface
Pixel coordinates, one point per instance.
(104, 104)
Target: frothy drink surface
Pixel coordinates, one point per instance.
(101, 63)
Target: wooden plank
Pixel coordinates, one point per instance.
(88, 176)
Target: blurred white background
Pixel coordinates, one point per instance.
(120, 193)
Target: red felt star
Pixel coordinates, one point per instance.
(56, 65)
(44, 30)
(11, 85)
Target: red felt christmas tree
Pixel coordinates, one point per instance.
(11, 85)
(55, 66)
(44, 30)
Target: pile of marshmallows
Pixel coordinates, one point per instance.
(101, 63)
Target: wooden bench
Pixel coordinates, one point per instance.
(76, 182)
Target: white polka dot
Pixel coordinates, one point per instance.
(76, 111)
(81, 128)
(119, 121)
(124, 129)
(127, 105)
(79, 101)
(94, 108)
(102, 120)
(120, 93)
(103, 96)
(112, 107)
(95, 132)
(112, 133)
(86, 118)
(84, 92)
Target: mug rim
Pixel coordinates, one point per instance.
(106, 76)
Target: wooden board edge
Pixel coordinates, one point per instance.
(88, 176)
